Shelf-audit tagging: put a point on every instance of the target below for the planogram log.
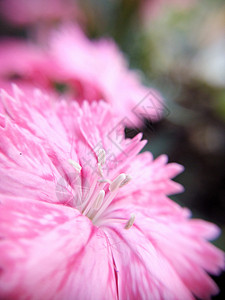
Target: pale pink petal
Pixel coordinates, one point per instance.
(142, 272)
(169, 248)
(52, 252)
(152, 177)
(27, 158)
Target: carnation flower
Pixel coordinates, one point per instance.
(82, 69)
(84, 216)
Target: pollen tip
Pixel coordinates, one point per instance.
(74, 164)
(125, 181)
(117, 182)
(130, 222)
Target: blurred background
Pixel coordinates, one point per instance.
(178, 47)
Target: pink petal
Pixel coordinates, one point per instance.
(152, 179)
(165, 249)
(186, 250)
(142, 272)
(50, 251)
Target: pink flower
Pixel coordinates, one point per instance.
(27, 11)
(89, 70)
(103, 73)
(83, 216)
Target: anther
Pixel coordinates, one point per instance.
(126, 181)
(74, 164)
(99, 200)
(130, 222)
(117, 182)
(101, 156)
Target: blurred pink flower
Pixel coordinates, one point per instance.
(73, 226)
(103, 73)
(87, 70)
(31, 11)
(24, 62)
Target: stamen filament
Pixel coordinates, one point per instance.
(114, 186)
(87, 202)
(111, 220)
(100, 170)
(94, 205)
(99, 200)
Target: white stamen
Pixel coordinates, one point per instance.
(88, 202)
(130, 222)
(100, 170)
(96, 201)
(101, 156)
(126, 181)
(99, 200)
(113, 187)
(117, 182)
(74, 164)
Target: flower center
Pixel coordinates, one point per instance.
(101, 193)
